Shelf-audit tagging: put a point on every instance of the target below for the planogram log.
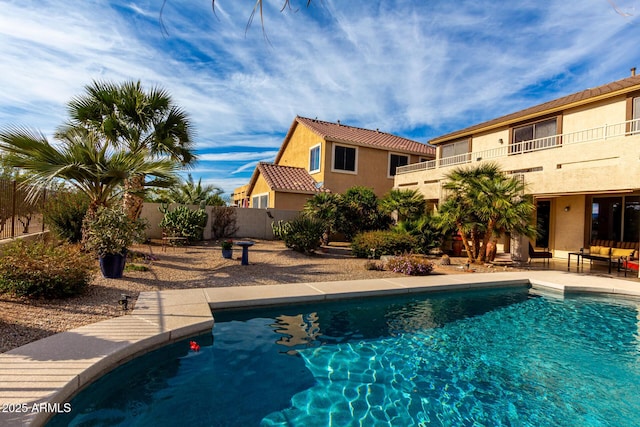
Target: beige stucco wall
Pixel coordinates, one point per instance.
(252, 223)
(296, 152)
(261, 187)
(290, 201)
(371, 167)
(602, 165)
(567, 227)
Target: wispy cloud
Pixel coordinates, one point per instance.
(417, 69)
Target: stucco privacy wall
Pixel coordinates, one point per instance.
(254, 223)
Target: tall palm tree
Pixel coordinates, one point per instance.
(484, 202)
(81, 159)
(144, 122)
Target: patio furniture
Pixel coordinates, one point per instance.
(245, 244)
(610, 252)
(544, 255)
(172, 241)
(577, 255)
(627, 265)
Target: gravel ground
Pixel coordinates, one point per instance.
(197, 266)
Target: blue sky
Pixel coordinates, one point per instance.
(418, 69)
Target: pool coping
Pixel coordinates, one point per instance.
(52, 370)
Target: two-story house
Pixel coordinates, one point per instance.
(323, 156)
(578, 155)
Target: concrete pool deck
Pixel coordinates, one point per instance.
(37, 379)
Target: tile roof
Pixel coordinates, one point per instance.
(618, 87)
(348, 134)
(288, 178)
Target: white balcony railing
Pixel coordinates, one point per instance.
(551, 142)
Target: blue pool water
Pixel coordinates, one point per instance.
(483, 358)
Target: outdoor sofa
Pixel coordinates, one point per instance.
(611, 251)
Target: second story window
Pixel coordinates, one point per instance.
(635, 115)
(344, 158)
(314, 159)
(454, 153)
(535, 136)
(396, 160)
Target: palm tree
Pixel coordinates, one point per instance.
(82, 159)
(190, 193)
(142, 122)
(484, 202)
(324, 207)
(408, 204)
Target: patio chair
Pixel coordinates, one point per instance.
(544, 255)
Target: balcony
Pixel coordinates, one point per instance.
(555, 142)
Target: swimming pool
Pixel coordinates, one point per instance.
(499, 357)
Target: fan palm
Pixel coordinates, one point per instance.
(81, 159)
(190, 193)
(142, 122)
(324, 207)
(484, 202)
(408, 204)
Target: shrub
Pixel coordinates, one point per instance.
(303, 234)
(373, 244)
(183, 222)
(373, 265)
(64, 213)
(110, 231)
(411, 265)
(279, 229)
(39, 269)
(223, 222)
(427, 234)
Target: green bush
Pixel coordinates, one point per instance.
(183, 222)
(303, 234)
(424, 229)
(64, 212)
(40, 269)
(373, 244)
(411, 265)
(110, 231)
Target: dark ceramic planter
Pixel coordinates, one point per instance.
(112, 265)
(227, 253)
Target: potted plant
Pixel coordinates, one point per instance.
(227, 249)
(108, 233)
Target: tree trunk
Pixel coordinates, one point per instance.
(465, 243)
(132, 200)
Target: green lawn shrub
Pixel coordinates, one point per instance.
(64, 212)
(374, 244)
(411, 265)
(303, 234)
(184, 222)
(41, 269)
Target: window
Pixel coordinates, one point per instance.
(535, 136)
(396, 160)
(635, 114)
(455, 153)
(314, 159)
(344, 158)
(260, 201)
(615, 217)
